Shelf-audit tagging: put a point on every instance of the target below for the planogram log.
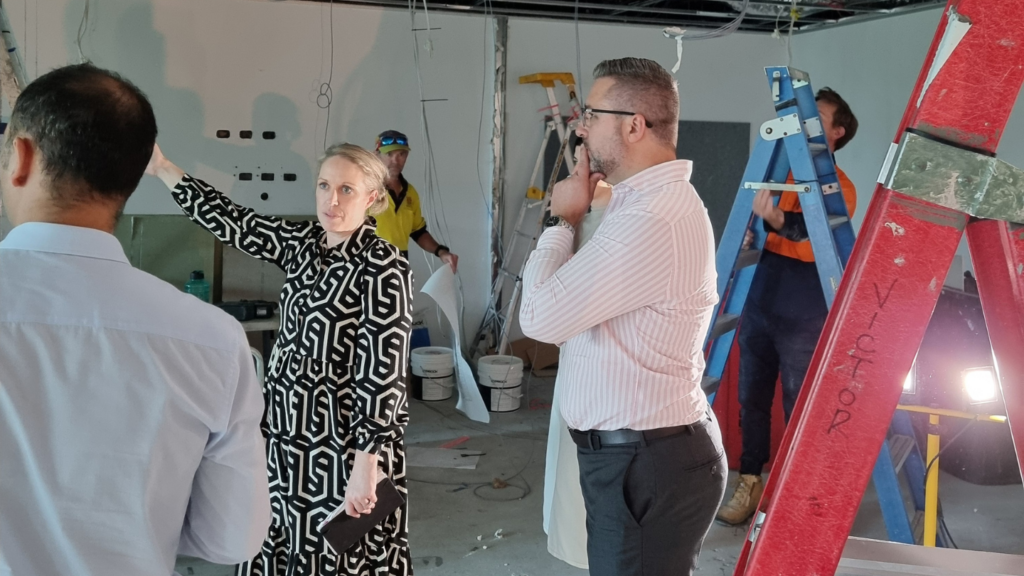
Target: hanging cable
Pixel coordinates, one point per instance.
(436, 211)
(681, 34)
(82, 27)
(793, 15)
(488, 10)
(326, 93)
(579, 66)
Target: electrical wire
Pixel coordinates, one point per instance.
(82, 27)
(326, 93)
(437, 212)
(526, 489)
(946, 536)
(488, 11)
(498, 431)
(430, 166)
(36, 41)
(579, 66)
(946, 447)
(719, 32)
(24, 27)
(789, 35)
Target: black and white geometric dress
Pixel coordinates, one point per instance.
(335, 381)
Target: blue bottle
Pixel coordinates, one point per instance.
(198, 286)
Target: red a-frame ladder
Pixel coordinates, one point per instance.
(940, 179)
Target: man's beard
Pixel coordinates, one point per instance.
(601, 163)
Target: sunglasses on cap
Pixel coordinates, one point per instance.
(390, 140)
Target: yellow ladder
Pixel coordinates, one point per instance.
(529, 224)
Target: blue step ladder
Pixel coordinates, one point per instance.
(794, 144)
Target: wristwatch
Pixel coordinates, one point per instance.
(437, 251)
(559, 221)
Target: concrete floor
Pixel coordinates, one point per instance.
(450, 509)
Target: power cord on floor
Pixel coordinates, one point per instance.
(477, 486)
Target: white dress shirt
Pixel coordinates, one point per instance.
(129, 416)
(632, 307)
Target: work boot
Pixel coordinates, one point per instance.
(744, 501)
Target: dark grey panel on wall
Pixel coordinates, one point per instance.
(719, 152)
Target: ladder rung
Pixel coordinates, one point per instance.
(709, 384)
(837, 221)
(509, 274)
(817, 148)
(899, 448)
(726, 323)
(747, 257)
(776, 187)
(524, 234)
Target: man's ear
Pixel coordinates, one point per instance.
(23, 155)
(635, 128)
(840, 131)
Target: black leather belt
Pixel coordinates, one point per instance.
(595, 439)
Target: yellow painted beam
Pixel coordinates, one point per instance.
(931, 487)
(952, 413)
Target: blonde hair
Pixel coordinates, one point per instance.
(373, 169)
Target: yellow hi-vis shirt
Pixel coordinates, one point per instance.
(402, 219)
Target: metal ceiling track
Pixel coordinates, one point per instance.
(761, 15)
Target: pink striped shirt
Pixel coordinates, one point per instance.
(632, 307)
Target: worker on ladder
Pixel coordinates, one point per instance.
(783, 316)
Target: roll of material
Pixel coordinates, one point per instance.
(432, 362)
(500, 371)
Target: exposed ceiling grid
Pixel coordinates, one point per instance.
(761, 15)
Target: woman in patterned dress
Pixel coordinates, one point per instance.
(335, 386)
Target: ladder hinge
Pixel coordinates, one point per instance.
(781, 127)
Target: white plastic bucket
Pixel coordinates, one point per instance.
(433, 389)
(432, 362)
(433, 373)
(500, 381)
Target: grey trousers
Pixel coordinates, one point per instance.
(649, 505)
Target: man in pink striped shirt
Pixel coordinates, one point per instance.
(630, 311)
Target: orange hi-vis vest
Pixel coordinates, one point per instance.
(790, 202)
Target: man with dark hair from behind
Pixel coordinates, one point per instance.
(129, 411)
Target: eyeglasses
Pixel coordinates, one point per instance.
(389, 140)
(588, 115)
